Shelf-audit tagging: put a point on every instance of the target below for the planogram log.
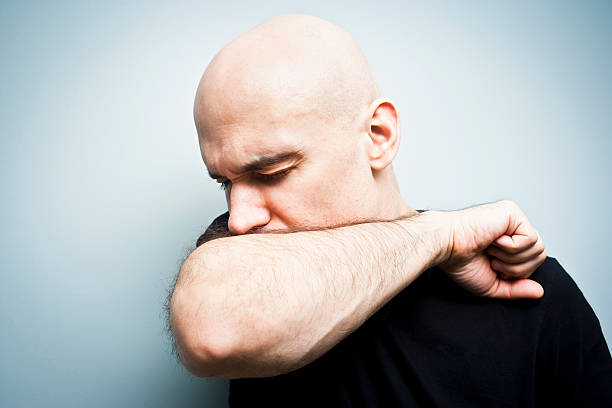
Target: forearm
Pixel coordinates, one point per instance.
(261, 305)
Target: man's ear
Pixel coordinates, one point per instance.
(384, 133)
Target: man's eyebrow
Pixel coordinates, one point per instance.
(265, 161)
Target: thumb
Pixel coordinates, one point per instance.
(518, 289)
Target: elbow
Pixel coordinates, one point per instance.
(210, 346)
(202, 340)
(204, 359)
(216, 336)
(204, 347)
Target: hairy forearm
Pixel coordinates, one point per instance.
(264, 304)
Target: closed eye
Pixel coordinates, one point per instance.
(270, 178)
(224, 184)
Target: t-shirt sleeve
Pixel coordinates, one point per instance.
(574, 363)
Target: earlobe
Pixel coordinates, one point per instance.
(384, 133)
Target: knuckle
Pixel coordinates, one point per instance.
(510, 204)
(518, 270)
(514, 250)
(513, 270)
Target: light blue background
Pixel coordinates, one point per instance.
(104, 191)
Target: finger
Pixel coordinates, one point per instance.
(517, 258)
(516, 289)
(522, 270)
(516, 243)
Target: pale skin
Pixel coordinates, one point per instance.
(291, 122)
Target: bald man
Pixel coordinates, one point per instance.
(325, 288)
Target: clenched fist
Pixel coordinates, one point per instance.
(492, 250)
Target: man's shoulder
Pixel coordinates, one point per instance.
(560, 290)
(565, 306)
(551, 272)
(572, 347)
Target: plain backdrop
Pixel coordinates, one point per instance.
(104, 191)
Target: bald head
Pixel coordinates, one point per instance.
(289, 66)
(291, 123)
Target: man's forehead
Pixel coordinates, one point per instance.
(287, 68)
(232, 159)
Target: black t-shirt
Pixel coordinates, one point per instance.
(435, 344)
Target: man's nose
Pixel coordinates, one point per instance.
(247, 208)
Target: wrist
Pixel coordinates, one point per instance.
(435, 234)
